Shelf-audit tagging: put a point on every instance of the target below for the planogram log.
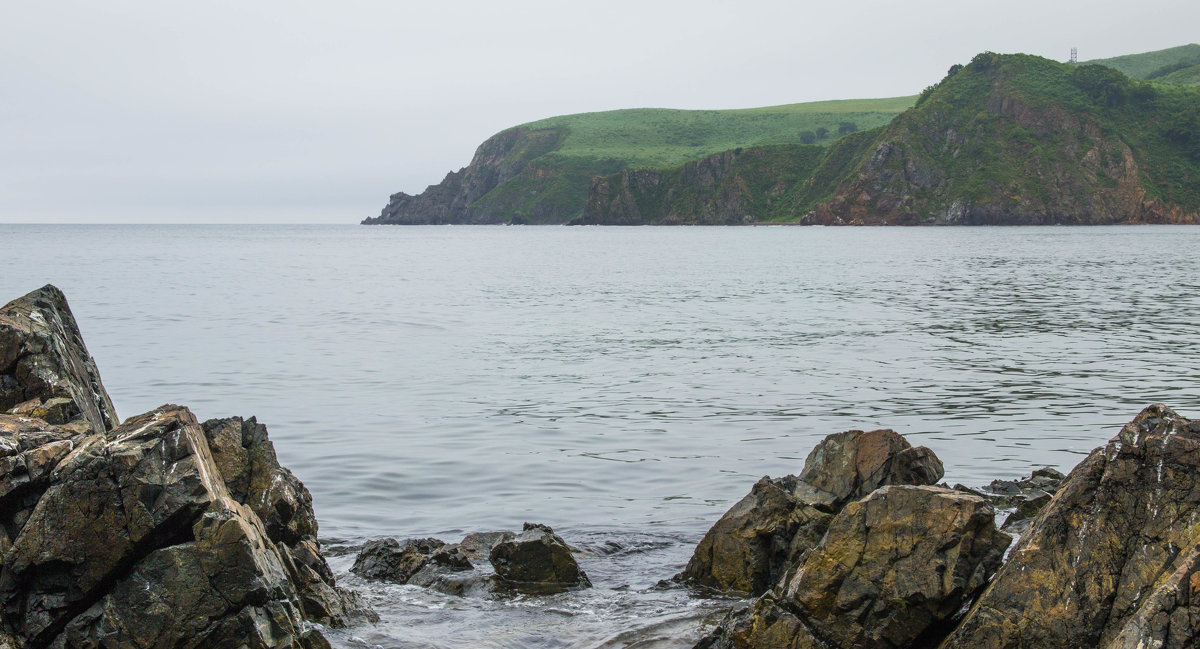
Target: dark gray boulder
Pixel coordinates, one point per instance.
(45, 369)
(391, 560)
(537, 561)
(135, 535)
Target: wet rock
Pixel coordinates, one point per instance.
(757, 539)
(246, 461)
(1019, 520)
(770, 529)
(135, 535)
(390, 560)
(478, 545)
(1111, 562)
(43, 362)
(135, 539)
(890, 572)
(537, 561)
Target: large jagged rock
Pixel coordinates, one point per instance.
(537, 561)
(154, 533)
(45, 369)
(769, 530)
(142, 509)
(890, 573)
(1112, 561)
(245, 458)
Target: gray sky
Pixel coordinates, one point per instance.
(299, 111)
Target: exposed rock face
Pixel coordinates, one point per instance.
(730, 188)
(537, 560)
(890, 572)
(752, 545)
(998, 145)
(45, 369)
(464, 195)
(246, 461)
(1112, 561)
(130, 535)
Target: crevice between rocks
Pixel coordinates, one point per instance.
(174, 530)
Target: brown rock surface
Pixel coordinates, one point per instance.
(1111, 562)
(890, 572)
(768, 531)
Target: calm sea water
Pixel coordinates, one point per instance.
(618, 383)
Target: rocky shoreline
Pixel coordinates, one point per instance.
(163, 531)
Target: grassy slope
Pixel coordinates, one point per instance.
(994, 157)
(1145, 65)
(660, 138)
(553, 188)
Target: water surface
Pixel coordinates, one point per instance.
(619, 383)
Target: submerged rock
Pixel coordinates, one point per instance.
(766, 532)
(390, 560)
(537, 561)
(153, 533)
(478, 545)
(890, 572)
(1112, 561)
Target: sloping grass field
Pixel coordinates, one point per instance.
(662, 138)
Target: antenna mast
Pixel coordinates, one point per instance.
(1074, 55)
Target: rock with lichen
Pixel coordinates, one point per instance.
(769, 530)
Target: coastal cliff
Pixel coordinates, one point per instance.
(465, 196)
(1007, 139)
(541, 172)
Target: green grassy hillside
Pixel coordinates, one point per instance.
(1007, 139)
(540, 172)
(1158, 65)
(661, 138)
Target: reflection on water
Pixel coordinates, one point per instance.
(617, 381)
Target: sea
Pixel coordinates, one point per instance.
(622, 385)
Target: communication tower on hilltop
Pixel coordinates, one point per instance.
(1074, 55)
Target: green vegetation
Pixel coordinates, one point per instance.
(660, 138)
(1157, 122)
(553, 185)
(1157, 65)
(1016, 138)
(990, 133)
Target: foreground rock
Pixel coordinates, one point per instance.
(45, 369)
(1114, 560)
(751, 546)
(891, 571)
(537, 561)
(155, 533)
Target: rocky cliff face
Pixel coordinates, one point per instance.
(463, 196)
(156, 532)
(731, 188)
(1006, 140)
(989, 151)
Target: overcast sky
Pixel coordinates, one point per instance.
(301, 111)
